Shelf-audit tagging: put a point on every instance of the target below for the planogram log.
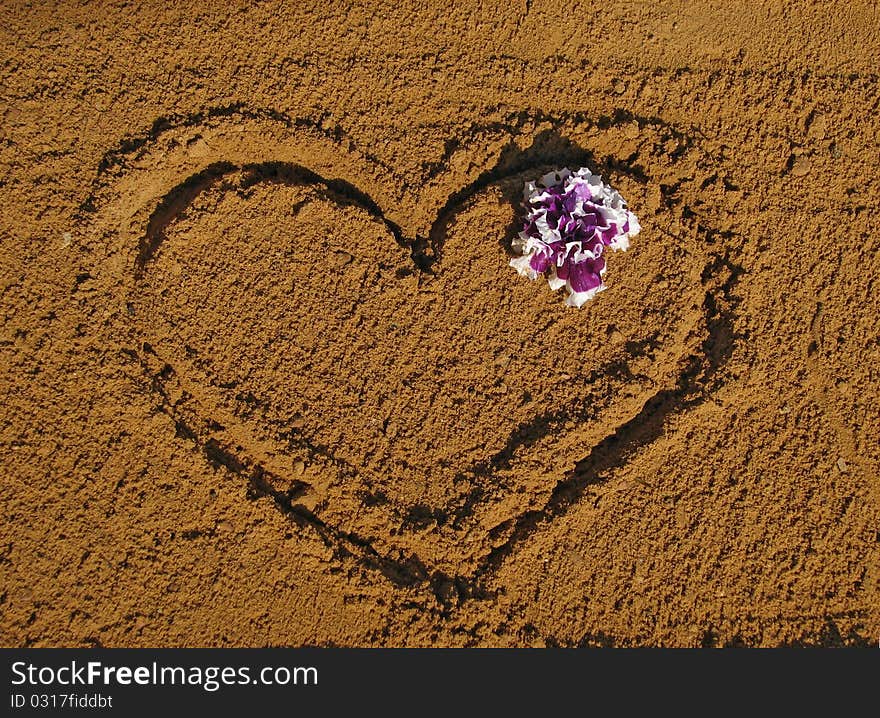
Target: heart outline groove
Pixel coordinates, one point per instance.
(145, 188)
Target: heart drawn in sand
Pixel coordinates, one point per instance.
(366, 355)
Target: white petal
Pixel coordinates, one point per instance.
(578, 299)
(620, 243)
(634, 226)
(523, 267)
(555, 282)
(547, 234)
(553, 178)
(580, 254)
(612, 215)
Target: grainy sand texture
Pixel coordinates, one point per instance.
(268, 379)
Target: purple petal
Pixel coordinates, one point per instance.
(585, 276)
(540, 261)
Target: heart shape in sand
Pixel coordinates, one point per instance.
(392, 379)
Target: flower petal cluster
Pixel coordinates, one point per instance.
(571, 219)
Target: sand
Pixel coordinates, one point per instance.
(268, 379)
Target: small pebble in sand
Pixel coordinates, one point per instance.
(619, 87)
(817, 127)
(299, 468)
(801, 166)
(66, 239)
(23, 594)
(842, 466)
(340, 258)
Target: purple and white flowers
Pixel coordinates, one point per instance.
(571, 217)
